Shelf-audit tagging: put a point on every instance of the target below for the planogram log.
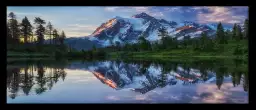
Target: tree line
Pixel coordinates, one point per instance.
(16, 31)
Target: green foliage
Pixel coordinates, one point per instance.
(40, 29)
(220, 35)
(206, 44)
(26, 29)
(14, 28)
(239, 34)
(59, 54)
(49, 29)
(16, 31)
(228, 34)
(239, 50)
(246, 29)
(144, 44)
(55, 36)
(162, 32)
(62, 38)
(186, 41)
(234, 31)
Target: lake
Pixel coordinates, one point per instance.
(127, 81)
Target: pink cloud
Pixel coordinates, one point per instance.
(219, 14)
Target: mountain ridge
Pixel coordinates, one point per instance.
(129, 29)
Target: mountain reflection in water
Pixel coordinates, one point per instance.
(139, 76)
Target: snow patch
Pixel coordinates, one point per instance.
(125, 78)
(92, 68)
(145, 26)
(180, 38)
(154, 71)
(137, 23)
(137, 82)
(153, 36)
(210, 80)
(116, 39)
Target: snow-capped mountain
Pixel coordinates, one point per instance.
(128, 30)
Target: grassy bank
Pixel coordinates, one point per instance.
(27, 55)
(222, 51)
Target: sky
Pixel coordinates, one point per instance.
(82, 21)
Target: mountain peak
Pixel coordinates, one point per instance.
(142, 15)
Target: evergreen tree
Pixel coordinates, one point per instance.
(94, 48)
(50, 29)
(62, 37)
(234, 31)
(144, 44)
(162, 32)
(203, 40)
(26, 29)
(118, 45)
(186, 41)
(238, 50)
(40, 29)
(220, 35)
(239, 34)
(55, 36)
(228, 34)
(196, 44)
(246, 29)
(9, 35)
(14, 27)
(206, 43)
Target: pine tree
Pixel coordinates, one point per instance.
(246, 29)
(220, 35)
(234, 31)
(14, 27)
(239, 34)
(186, 41)
(49, 29)
(9, 35)
(142, 43)
(94, 48)
(26, 29)
(40, 29)
(203, 40)
(228, 34)
(55, 36)
(238, 50)
(62, 37)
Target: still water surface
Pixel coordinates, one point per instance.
(127, 82)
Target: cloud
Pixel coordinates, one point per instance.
(219, 14)
(156, 14)
(77, 30)
(30, 16)
(76, 34)
(173, 9)
(112, 98)
(141, 9)
(82, 27)
(25, 14)
(209, 93)
(126, 9)
(112, 9)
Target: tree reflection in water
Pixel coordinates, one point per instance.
(23, 78)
